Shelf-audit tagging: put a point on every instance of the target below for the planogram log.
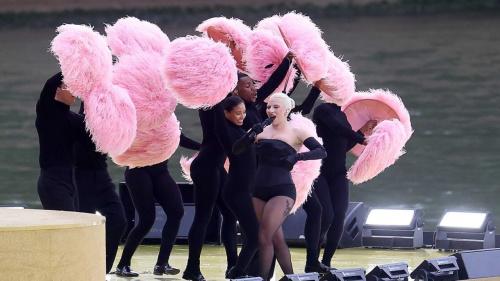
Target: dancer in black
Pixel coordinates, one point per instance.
(332, 186)
(96, 192)
(274, 193)
(237, 189)
(58, 128)
(146, 186)
(208, 176)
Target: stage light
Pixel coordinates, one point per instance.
(11, 207)
(310, 276)
(389, 272)
(465, 231)
(438, 269)
(350, 274)
(393, 228)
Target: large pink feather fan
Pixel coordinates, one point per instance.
(303, 37)
(110, 117)
(377, 105)
(304, 173)
(141, 75)
(186, 162)
(263, 56)
(339, 83)
(270, 24)
(232, 32)
(152, 146)
(199, 71)
(130, 35)
(385, 146)
(85, 59)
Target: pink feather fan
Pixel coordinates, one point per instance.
(303, 37)
(199, 71)
(304, 173)
(339, 83)
(86, 64)
(130, 35)
(186, 162)
(152, 146)
(232, 32)
(263, 56)
(386, 143)
(141, 75)
(270, 24)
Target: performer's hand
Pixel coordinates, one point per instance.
(257, 128)
(367, 128)
(290, 55)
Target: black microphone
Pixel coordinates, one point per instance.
(268, 121)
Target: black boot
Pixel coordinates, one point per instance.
(318, 267)
(235, 273)
(187, 275)
(165, 269)
(125, 271)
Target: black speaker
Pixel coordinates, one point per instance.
(478, 263)
(293, 227)
(353, 225)
(438, 269)
(350, 274)
(311, 276)
(389, 272)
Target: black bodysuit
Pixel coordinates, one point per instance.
(273, 178)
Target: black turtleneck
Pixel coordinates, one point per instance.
(337, 134)
(58, 128)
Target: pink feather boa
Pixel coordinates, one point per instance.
(389, 137)
(141, 75)
(270, 24)
(228, 31)
(339, 83)
(186, 162)
(199, 71)
(87, 69)
(130, 35)
(266, 49)
(303, 37)
(152, 146)
(304, 173)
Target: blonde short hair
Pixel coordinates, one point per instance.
(284, 100)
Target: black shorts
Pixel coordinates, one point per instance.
(265, 193)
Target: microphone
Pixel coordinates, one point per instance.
(268, 121)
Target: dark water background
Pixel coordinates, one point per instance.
(445, 68)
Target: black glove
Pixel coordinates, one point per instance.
(257, 128)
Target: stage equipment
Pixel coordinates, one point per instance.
(389, 272)
(465, 231)
(393, 228)
(349, 274)
(438, 269)
(478, 263)
(311, 276)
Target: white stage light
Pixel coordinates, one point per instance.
(390, 217)
(463, 220)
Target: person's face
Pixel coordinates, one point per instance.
(237, 114)
(276, 109)
(64, 95)
(246, 89)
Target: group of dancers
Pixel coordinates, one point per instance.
(251, 128)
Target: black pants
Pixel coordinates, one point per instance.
(207, 182)
(312, 228)
(96, 192)
(57, 190)
(333, 193)
(240, 203)
(146, 186)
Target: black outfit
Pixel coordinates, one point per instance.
(96, 192)
(58, 128)
(146, 186)
(207, 173)
(332, 186)
(238, 188)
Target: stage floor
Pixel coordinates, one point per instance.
(213, 261)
